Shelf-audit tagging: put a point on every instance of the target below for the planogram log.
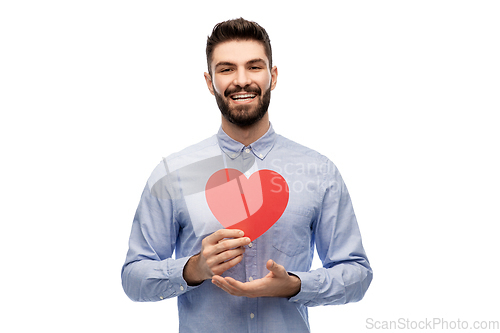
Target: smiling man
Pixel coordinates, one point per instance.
(239, 78)
(226, 281)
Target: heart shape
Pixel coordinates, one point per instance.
(250, 204)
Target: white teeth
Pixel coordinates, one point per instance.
(243, 96)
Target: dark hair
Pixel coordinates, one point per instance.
(237, 29)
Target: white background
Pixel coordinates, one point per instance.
(401, 95)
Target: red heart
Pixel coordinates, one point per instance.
(252, 205)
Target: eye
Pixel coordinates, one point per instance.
(225, 70)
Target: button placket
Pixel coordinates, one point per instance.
(251, 274)
(251, 262)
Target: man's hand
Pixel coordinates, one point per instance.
(219, 251)
(277, 283)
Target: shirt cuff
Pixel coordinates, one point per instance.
(177, 284)
(310, 283)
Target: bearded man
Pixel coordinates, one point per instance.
(243, 211)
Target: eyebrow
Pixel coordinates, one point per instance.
(227, 63)
(253, 61)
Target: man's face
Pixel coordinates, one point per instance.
(241, 81)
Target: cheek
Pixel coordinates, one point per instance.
(218, 90)
(265, 82)
(219, 86)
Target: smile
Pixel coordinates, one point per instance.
(243, 97)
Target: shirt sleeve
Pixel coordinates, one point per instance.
(346, 273)
(150, 273)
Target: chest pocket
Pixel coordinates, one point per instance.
(292, 233)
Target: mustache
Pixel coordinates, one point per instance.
(248, 89)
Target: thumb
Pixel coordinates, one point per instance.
(275, 268)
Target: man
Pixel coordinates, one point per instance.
(230, 279)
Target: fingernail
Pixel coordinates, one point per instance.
(241, 233)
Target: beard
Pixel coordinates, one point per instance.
(244, 115)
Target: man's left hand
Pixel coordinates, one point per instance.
(277, 283)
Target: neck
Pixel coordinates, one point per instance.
(249, 134)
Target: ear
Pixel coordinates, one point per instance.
(274, 77)
(208, 80)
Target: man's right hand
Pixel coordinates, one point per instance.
(219, 251)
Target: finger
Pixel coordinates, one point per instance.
(224, 233)
(248, 289)
(227, 264)
(227, 283)
(229, 254)
(233, 287)
(221, 283)
(217, 278)
(228, 244)
(226, 256)
(232, 283)
(277, 270)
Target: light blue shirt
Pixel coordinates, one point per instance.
(173, 217)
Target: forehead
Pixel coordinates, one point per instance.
(239, 52)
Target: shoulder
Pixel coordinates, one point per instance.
(300, 152)
(194, 150)
(305, 159)
(203, 150)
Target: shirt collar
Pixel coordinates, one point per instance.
(259, 148)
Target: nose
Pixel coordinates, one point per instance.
(242, 78)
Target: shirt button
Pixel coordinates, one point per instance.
(252, 315)
(161, 297)
(233, 155)
(250, 279)
(261, 156)
(182, 288)
(250, 245)
(247, 150)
